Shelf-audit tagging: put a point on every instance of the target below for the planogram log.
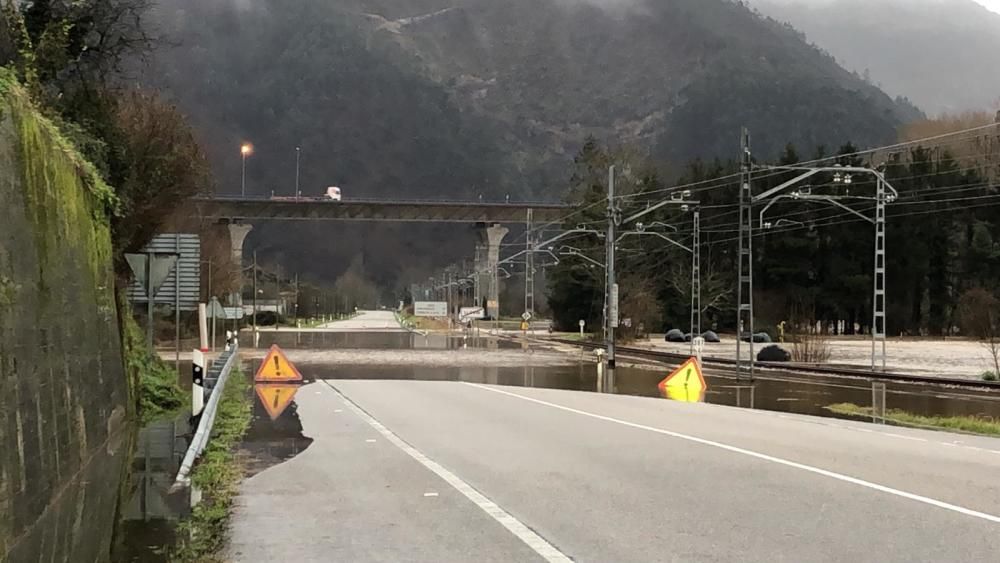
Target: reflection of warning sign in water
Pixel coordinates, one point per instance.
(685, 383)
(276, 367)
(275, 397)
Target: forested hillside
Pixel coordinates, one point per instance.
(458, 97)
(462, 98)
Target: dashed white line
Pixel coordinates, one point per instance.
(750, 453)
(370, 440)
(537, 543)
(430, 494)
(901, 437)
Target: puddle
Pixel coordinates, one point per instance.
(152, 511)
(275, 433)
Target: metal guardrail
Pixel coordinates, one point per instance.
(204, 431)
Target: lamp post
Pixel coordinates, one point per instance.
(246, 149)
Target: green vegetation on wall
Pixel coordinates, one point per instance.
(158, 394)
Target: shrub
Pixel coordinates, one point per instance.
(811, 348)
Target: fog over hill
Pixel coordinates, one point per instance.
(944, 55)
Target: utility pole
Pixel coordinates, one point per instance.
(611, 310)
(878, 294)
(696, 280)
(253, 337)
(298, 154)
(744, 291)
(277, 294)
(450, 296)
(529, 268)
(295, 306)
(476, 278)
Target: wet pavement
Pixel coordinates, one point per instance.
(404, 469)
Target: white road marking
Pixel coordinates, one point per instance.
(542, 547)
(430, 494)
(824, 422)
(370, 440)
(788, 463)
(338, 410)
(901, 437)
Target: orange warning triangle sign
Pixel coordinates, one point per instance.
(687, 376)
(276, 367)
(275, 397)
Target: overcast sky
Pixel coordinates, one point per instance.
(991, 4)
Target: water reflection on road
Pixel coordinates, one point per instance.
(776, 391)
(803, 396)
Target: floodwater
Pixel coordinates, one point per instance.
(399, 340)
(149, 517)
(771, 390)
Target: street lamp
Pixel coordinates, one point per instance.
(246, 149)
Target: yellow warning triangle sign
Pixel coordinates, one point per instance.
(275, 397)
(276, 367)
(687, 376)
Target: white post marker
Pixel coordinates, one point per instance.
(197, 382)
(699, 347)
(203, 326)
(583, 323)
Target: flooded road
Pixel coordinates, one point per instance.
(437, 357)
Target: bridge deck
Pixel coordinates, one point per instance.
(375, 210)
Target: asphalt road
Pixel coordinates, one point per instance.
(448, 471)
(365, 321)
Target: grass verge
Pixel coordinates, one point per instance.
(218, 474)
(970, 424)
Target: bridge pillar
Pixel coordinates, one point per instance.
(237, 235)
(494, 236)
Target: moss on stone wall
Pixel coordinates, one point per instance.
(64, 395)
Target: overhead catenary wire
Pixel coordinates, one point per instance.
(736, 175)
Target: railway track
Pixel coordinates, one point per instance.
(829, 371)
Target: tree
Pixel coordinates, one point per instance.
(980, 317)
(354, 289)
(156, 163)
